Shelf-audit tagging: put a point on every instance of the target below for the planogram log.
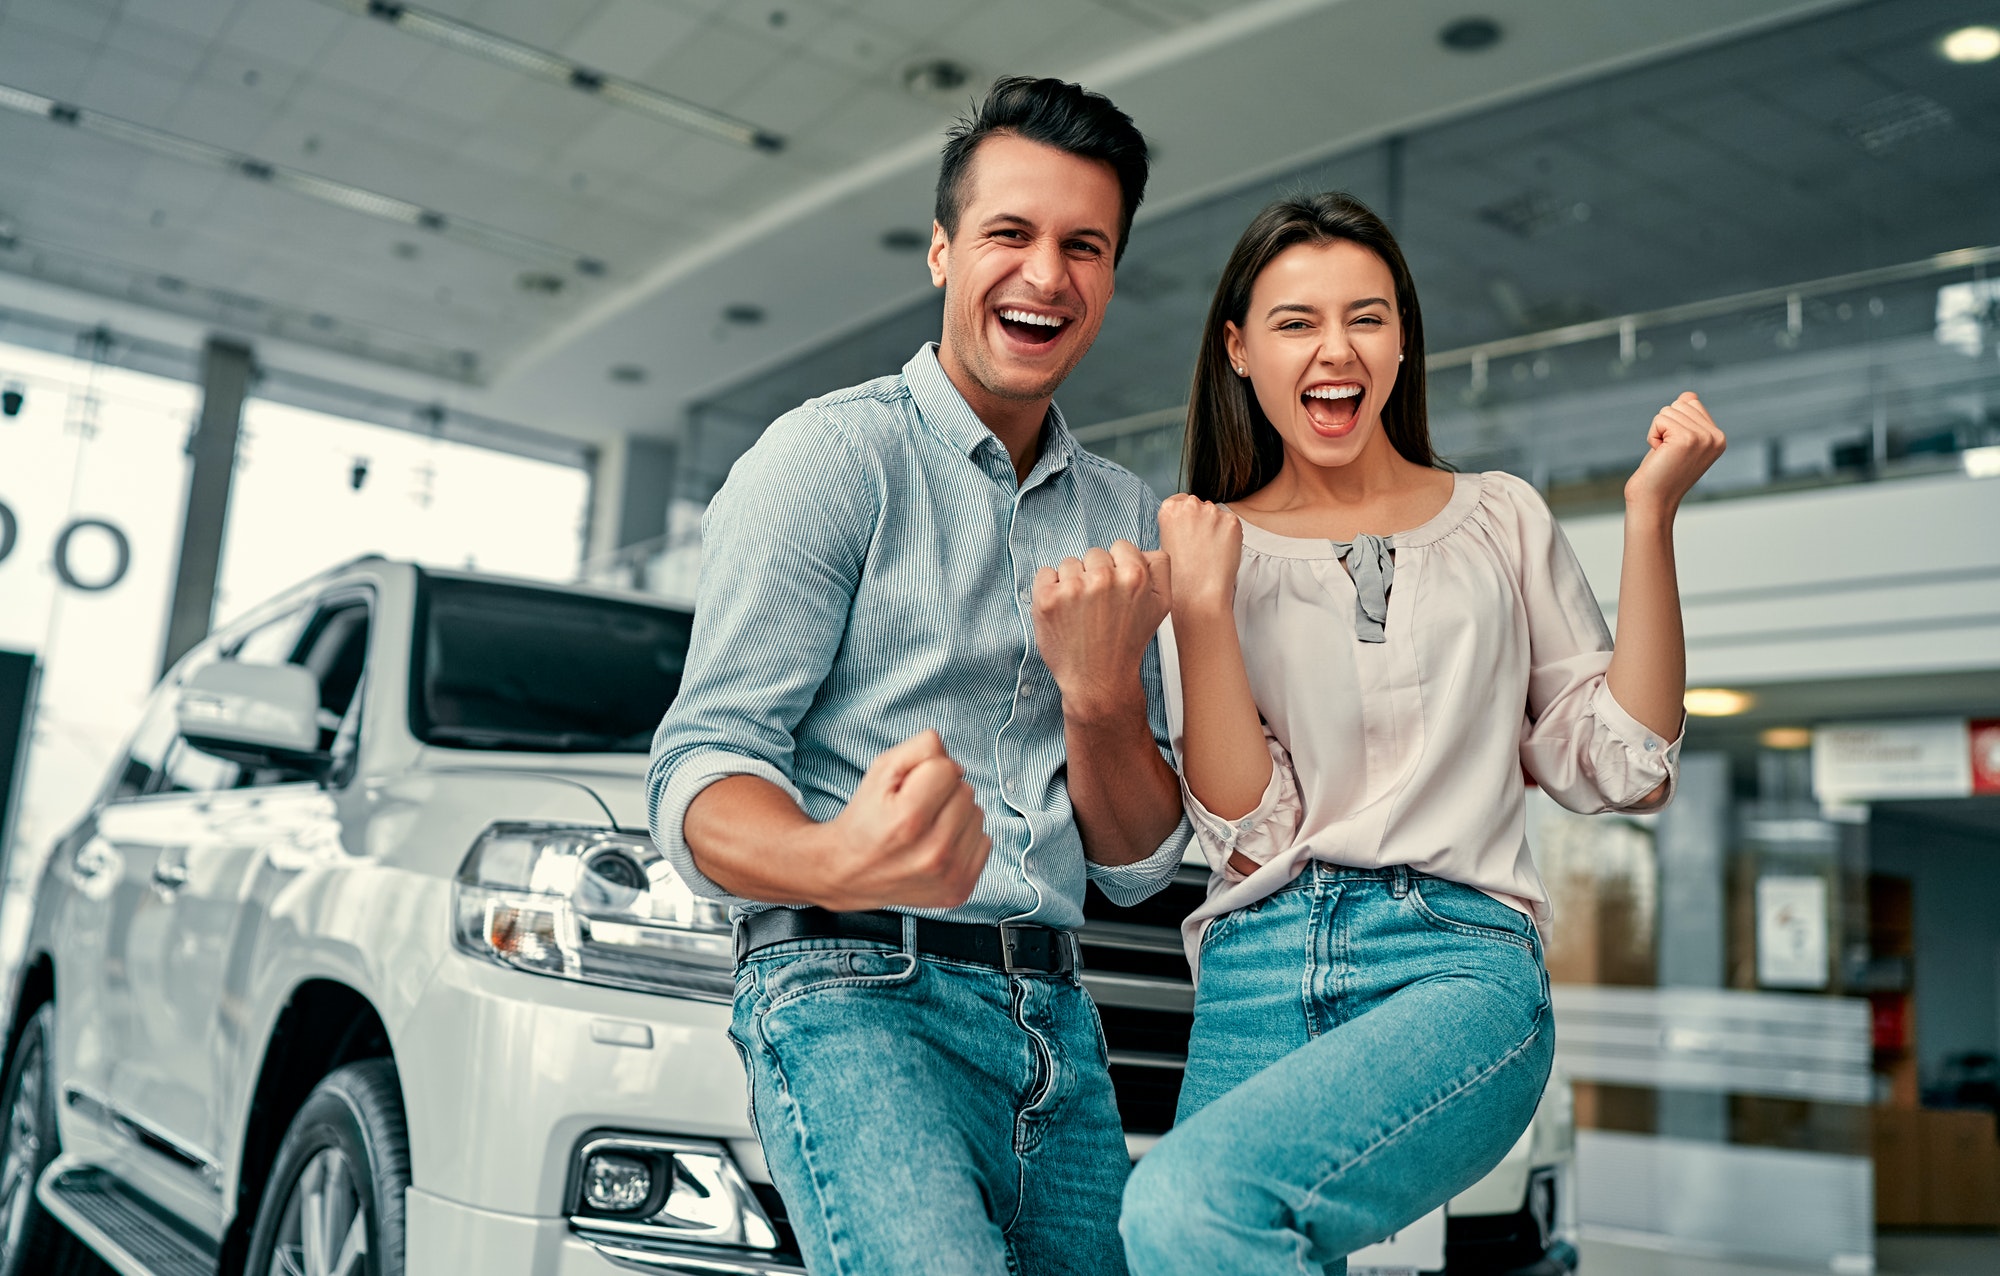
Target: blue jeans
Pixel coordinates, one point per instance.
(925, 1116)
(1367, 1044)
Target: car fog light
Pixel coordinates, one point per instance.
(616, 1184)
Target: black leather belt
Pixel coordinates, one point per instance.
(1011, 946)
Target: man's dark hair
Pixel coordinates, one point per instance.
(1066, 116)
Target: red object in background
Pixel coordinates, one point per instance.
(1891, 1020)
(1985, 733)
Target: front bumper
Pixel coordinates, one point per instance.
(445, 1236)
(504, 1072)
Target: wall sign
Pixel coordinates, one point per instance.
(1871, 761)
(121, 549)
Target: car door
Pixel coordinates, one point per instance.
(111, 857)
(177, 943)
(249, 818)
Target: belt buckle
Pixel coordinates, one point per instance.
(1010, 939)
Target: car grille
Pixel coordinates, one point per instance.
(1137, 972)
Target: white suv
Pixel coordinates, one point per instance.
(362, 964)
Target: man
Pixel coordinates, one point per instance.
(921, 707)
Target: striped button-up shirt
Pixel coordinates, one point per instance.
(866, 573)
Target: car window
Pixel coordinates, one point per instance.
(335, 648)
(157, 732)
(274, 642)
(500, 666)
(332, 642)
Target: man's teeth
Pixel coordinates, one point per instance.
(1028, 316)
(1333, 392)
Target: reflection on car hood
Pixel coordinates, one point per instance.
(617, 779)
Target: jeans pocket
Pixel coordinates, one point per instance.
(1464, 910)
(794, 975)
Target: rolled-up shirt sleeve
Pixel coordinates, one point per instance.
(796, 517)
(1268, 828)
(1127, 884)
(1578, 742)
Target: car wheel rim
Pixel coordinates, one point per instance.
(23, 1147)
(324, 1229)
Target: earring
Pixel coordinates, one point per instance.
(1239, 371)
(1399, 358)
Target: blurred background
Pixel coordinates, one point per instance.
(510, 284)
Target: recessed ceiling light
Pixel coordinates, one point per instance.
(1716, 702)
(935, 77)
(904, 239)
(1971, 44)
(628, 374)
(744, 313)
(1470, 35)
(1785, 737)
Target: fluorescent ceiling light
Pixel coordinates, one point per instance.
(1716, 702)
(1971, 44)
(1785, 737)
(355, 199)
(543, 65)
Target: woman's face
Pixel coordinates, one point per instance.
(1321, 342)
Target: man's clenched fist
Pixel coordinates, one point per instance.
(1093, 619)
(913, 836)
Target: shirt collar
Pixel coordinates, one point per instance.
(946, 412)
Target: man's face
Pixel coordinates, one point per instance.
(1028, 275)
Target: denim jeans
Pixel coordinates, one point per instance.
(1367, 1044)
(928, 1116)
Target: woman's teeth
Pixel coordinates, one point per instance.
(1333, 392)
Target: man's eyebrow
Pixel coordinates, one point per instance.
(1015, 219)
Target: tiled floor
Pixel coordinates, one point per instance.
(1896, 1254)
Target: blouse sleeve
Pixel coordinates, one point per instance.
(1270, 826)
(1578, 742)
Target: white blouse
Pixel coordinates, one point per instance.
(1402, 738)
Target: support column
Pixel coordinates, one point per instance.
(631, 488)
(226, 369)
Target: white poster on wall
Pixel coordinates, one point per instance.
(1791, 932)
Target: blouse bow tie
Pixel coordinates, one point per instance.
(1371, 561)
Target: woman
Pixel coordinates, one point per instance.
(1370, 650)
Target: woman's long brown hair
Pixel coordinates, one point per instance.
(1231, 448)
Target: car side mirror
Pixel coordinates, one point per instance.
(255, 715)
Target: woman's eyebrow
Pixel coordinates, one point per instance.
(1366, 302)
(1292, 307)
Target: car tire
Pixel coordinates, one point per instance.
(333, 1204)
(31, 1242)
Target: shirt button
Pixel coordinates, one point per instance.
(1026, 691)
(1652, 745)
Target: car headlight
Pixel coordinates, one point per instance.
(593, 905)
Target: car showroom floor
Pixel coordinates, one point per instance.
(1896, 1254)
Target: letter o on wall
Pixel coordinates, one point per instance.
(10, 530)
(120, 545)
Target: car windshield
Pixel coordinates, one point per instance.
(513, 667)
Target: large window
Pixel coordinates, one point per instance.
(314, 490)
(92, 482)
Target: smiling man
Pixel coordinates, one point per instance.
(921, 709)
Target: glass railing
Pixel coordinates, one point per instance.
(1861, 376)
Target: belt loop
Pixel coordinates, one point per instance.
(1400, 881)
(910, 935)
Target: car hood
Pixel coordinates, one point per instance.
(616, 780)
